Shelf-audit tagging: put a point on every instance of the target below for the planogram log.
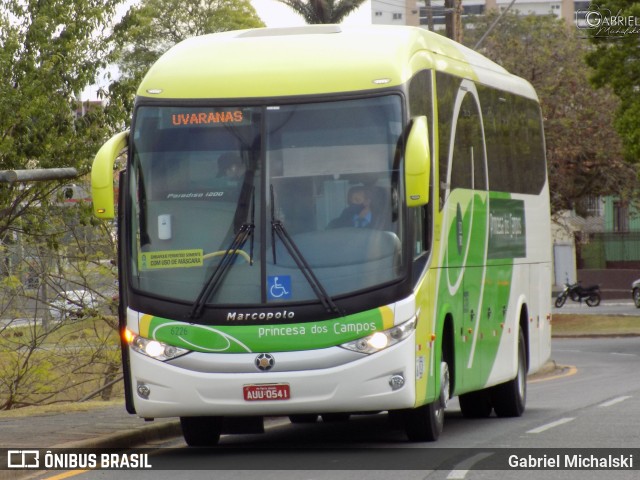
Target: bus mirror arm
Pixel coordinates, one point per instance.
(102, 175)
(417, 160)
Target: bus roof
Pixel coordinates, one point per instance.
(312, 60)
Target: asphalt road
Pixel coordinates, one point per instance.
(593, 403)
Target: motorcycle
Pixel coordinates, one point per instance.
(577, 293)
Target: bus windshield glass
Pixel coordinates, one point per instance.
(236, 205)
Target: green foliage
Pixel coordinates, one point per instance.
(323, 11)
(616, 61)
(154, 26)
(49, 52)
(584, 151)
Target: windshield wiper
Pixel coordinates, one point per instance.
(228, 258)
(278, 228)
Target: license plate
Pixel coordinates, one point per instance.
(266, 392)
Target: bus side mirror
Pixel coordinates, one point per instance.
(102, 175)
(417, 161)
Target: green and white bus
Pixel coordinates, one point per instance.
(325, 221)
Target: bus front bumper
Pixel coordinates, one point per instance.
(381, 381)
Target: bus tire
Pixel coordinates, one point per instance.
(509, 399)
(476, 404)
(425, 423)
(201, 431)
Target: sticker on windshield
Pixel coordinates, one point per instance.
(279, 287)
(170, 259)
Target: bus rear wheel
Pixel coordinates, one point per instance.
(425, 423)
(201, 431)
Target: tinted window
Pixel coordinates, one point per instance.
(514, 138)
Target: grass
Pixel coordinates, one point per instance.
(572, 325)
(57, 408)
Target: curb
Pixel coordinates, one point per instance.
(547, 368)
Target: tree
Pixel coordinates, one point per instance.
(323, 11)
(65, 356)
(584, 152)
(616, 63)
(49, 52)
(144, 33)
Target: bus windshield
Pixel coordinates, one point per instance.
(258, 205)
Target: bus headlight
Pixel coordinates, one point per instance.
(380, 340)
(153, 348)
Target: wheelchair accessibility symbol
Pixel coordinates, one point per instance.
(279, 287)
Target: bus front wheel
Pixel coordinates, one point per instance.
(425, 423)
(201, 431)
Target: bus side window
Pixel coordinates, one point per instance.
(468, 163)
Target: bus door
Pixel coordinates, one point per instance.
(468, 201)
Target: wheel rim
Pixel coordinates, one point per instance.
(522, 380)
(445, 381)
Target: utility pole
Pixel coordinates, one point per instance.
(37, 175)
(429, 11)
(453, 19)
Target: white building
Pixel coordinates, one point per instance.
(415, 12)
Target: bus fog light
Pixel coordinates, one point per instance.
(143, 391)
(170, 351)
(396, 382)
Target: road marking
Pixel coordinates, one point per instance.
(62, 476)
(548, 426)
(614, 401)
(568, 371)
(463, 467)
(624, 354)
